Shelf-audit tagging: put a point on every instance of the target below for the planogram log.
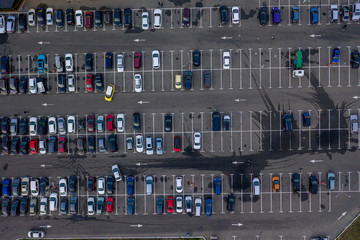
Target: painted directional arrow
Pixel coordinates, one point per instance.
(41, 43)
(137, 225)
(356, 97)
(315, 35)
(225, 38)
(47, 226)
(139, 164)
(47, 104)
(237, 224)
(142, 102)
(342, 215)
(240, 100)
(44, 165)
(315, 161)
(139, 40)
(236, 162)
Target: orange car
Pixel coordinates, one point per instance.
(276, 184)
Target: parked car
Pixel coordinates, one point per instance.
(231, 202)
(22, 22)
(335, 57)
(11, 24)
(355, 59)
(130, 185)
(145, 20)
(314, 15)
(31, 17)
(287, 122)
(331, 181)
(117, 17)
(354, 123)
(179, 204)
(276, 17)
(177, 143)
(226, 60)
(157, 18)
(188, 204)
(116, 172)
(217, 186)
(186, 17)
(170, 204)
(208, 207)
(263, 16)
(196, 58)
(224, 15)
(235, 15)
(313, 184)
(276, 184)
(131, 205)
(179, 184)
(306, 119)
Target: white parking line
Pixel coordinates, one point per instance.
(319, 77)
(145, 213)
(270, 190)
(182, 132)
(261, 193)
(240, 68)
(279, 57)
(172, 69)
(202, 131)
(211, 69)
(280, 129)
(270, 124)
(300, 192)
(221, 69)
(349, 59)
(300, 125)
(250, 87)
(290, 197)
(329, 129)
(251, 140)
(290, 78)
(309, 69)
(319, 173)
(319, 134)
(260, 67)
(212, 133)
(270, 67)
(162, 71)
(280, 182)
(231, 133)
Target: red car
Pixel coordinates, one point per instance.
(33, 146)
(109, 204)
(62, 144)
(110, 122)
(91, 123)
(89, 83)
(177, 143)
(170, 204)
(137, 60)
(88, 20)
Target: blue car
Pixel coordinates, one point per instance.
(335, 58)
(276, 18)
(217, 186)
(295, 14)
(130, 185)
(287, 122)
(41, 62)
(6, 187)
(208, 207)
(314, 16)
(159, 205)
(306, 119)
(4, 65)
(131, 205)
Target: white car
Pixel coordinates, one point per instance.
(36, 234)
(334, 16)
(10, 24)
(235, 15)
(156, 59)
(32, 85)
(157, 18)
(101, 186)
(188, 204)
(256, 186)
(63, 187)
(137, 83)
(42, 146)
(31, 17)
(179, 205)
(116, 171)
(179, 184)
(91, 206)
(25, 182)
(34, 187)
(145, 20)
(354, 123)
(226, 60)
(50, 16)
(149, 146)
(197, 140)
(198, 206)
(2, 24)
(120, 122)
(79, 18)
(71, 124)
(139, 143)
(149, 181)
(69, 63)
(43, 205)
(52, 125)
(120, 63)
(33, 126)
(356, 12)
(61, 125)
(71, 83)
(53, 202)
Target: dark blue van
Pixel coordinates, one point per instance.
(127, 18)
(59, 18)
(109, 60)
(187, 79)
(216, 118)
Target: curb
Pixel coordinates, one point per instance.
(173, 237)
(357, 216)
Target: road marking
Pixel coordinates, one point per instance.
(290, 197)
(270, 179)
(329, 129)
(260, 67)
(261, 193)
(182, 132)
(319, 173)
(300, 125)
(290, 71)
(251, 131)
(309, 69)
(240, 68)
(251, 194)
(202, 131)
(212, 133)
(250, 87)
(300, 192)
(319, 121)
(162, 71)
(279, 56)
(241, 131)
(270, 67)
(172, 69)
(319, 48)
(211, 69)
(231, 133)
(221, 69)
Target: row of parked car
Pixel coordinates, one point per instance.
(335, 14)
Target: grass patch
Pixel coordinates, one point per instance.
(353, 231)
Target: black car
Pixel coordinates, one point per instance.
(44, 185)
(306, 119)
(168, 123)
(112, 143)
(196, 58)
(5, 124)
(81, 124)
(5, 145)
(40, 15)
(109, 60)
(109, 185)
(127, 17)
(4, 64)
(70, 16)
(224, 16)
(5, 206)
(231, 202)
(24, 146)
(52, 147)
(313, 184)
(72, 184)
(61, 83)
(73, 205)
(355, 59)
(59, 18)
(23, 126)
(295, 183)
(89, 62)
(15, 142)
(186, 17)
(108, 16)
(216, 118)
(91, 144)
(15, 186)
(91, 184)
(23, 84)
(98, 82)
(15, 208)
(117, 17)
(24, 205)
(263, 16)
(98, 18)
(42, 126)
(22, 22)
(136, 118)
(64, 206)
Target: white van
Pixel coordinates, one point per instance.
(34, 187)
(198, 207)
(149, 181)
(58, 64)
(256, 186)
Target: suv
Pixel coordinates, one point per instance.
(127, 18)
(355, 59)
(109, 60)
(186, 17)
(224, 15)
(117, 17)
(263, 16)
(168, 123)
(216, 118)
(187, 79)
(137, 60)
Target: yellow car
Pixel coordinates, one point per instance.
(109, 92)
(276, 184)
(178, 82)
